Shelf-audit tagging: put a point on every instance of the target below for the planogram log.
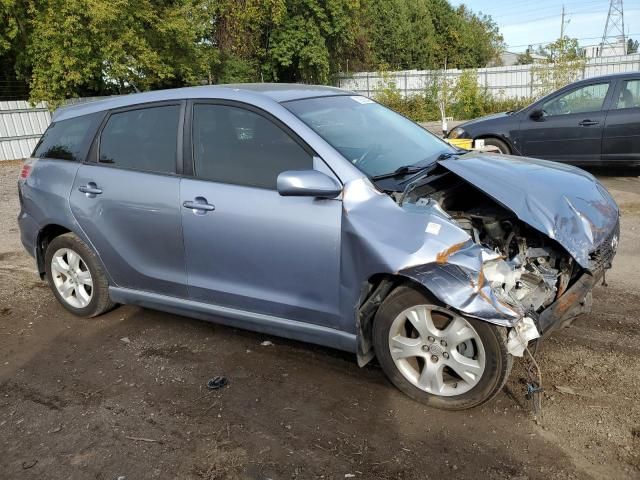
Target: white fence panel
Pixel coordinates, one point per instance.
(516, 81)
(20, 128)
(22, 125)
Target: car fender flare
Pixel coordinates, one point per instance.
(61, 228)
(450, 285)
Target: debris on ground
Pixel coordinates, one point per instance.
(267, 343)
(125, 340)
(217, 383)
(566, 390)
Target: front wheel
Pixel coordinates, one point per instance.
(437, 356)
(499, 144)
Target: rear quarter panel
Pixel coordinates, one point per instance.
(45, 200)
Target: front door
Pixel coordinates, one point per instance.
(127, 201)
(570, 128)
(247, 247)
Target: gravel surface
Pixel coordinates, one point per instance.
(124, 395)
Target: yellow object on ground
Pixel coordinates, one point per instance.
(466, 143)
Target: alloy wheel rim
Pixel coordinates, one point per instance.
(437, 350)
(72, 278)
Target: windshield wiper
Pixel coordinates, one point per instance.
(399, 172)
(405, 170)
(446, 155)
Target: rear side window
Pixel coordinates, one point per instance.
(143, 139)
(67, 139)
(238, 146)
(629, 95)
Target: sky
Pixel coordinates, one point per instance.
(524, 22)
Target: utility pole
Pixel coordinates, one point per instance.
(562, 24)
(613, 35)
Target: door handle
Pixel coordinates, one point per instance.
(90, 189)
(588, 123)
(199, 205)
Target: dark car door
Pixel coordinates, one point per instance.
(569, 125)
(247, 247)
(621, 137)
(127, 201)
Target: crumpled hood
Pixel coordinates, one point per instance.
(565, 203)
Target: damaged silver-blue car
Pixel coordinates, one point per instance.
(319, 215)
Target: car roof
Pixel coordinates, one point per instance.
(611, 76)
(247, 92)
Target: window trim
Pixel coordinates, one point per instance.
(618, 90)
(567, 91)
(189, 167)
(94, 152)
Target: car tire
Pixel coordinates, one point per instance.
(76, 277)
(499, 144)
(486, 348)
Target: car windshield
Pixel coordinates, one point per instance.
(376, 140)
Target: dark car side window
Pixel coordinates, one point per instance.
(589, 98)
(67, 139)
(629, 95)
(239, 146)
(142, 139)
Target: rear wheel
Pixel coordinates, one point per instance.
(76, 276)
(499, 144)
(437, 356)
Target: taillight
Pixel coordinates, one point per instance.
(26, 171)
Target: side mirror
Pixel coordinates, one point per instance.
(307, 183)
(536, 114)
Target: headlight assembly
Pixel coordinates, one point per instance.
(458, 133)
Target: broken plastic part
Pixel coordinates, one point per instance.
(520, 335)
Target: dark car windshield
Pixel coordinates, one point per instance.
(373, 138)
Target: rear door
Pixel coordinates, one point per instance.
(246, 246)
(126, 200)
(621, 138)
(571, 127)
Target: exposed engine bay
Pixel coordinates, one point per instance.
(527, 269)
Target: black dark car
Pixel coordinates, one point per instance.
(590, 122)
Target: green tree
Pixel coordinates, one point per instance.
(632, 46)
(563, 64)
(13, 37)
(311, 39)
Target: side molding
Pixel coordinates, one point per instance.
(257, 322)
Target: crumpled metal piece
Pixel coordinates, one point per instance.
(563, 202)
(422, 244)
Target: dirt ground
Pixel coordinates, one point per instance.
(124, 395)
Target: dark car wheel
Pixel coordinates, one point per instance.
(499, 144)
(437, 356)
(76, 276)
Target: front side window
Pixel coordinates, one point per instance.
(629, 95)
(584, 99)
(67, 139)
(373, 138)
(238, 146)
(144, 139)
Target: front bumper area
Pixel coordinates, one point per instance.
(575, 301)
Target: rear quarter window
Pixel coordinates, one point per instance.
(68, 139)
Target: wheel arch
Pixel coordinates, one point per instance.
(373, 292)
(52, 230)
(498, 136)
